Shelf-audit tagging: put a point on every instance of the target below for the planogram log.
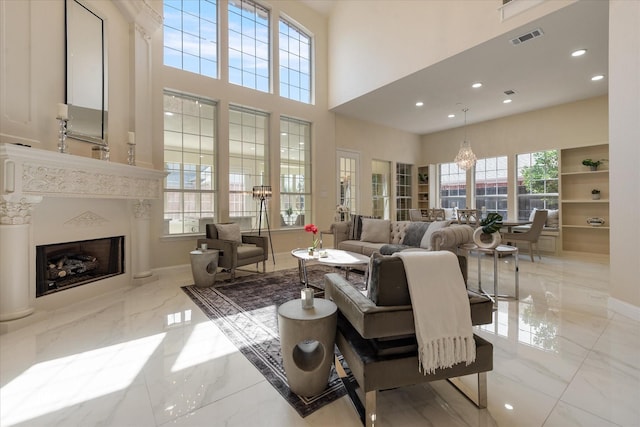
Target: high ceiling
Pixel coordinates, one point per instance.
(541, 71)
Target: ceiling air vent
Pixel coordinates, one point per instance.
(509, 92)
(526, 37)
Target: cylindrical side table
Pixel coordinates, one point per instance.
(307, 337)
(204, 265)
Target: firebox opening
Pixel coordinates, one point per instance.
(62, 266)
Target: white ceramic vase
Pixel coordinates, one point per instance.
(478, 235)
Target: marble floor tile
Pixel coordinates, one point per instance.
(148, 356)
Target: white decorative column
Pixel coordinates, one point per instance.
(141, 268)
(15, 224)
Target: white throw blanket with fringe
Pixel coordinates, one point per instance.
(441, 310)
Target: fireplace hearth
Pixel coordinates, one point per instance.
(61, 266)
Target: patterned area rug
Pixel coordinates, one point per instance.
(246, 310)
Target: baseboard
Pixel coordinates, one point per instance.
(624, 308)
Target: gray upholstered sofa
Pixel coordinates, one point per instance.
(376, 333)
(360, 235)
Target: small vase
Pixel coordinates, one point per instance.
(595, 196)
(311, 251)
(593, 168)
(306, 295)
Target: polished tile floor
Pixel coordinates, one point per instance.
(148, 357)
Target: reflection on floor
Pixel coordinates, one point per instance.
(147, 356)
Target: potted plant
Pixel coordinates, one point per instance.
(488, 234)
(595, 194)
(593, 164)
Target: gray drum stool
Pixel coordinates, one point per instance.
(204, 265)
(307, 338)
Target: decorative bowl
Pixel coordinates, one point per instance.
(595, 222)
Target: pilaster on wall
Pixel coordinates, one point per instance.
(144, 22)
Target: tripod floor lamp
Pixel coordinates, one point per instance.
(263, 193)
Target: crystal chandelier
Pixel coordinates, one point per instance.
(465, 158)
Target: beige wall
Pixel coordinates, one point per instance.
(374, 43)
(569, 125)
(371, 142)
(624, 151)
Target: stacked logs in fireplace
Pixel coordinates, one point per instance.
(64, 265)
(71, 264)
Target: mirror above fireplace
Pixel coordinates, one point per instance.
(86, 82)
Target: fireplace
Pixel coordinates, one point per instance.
(61, 266)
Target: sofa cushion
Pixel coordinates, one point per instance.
(375, 230)
(229, 232)
(392, 249)
(414, 232)
(425, 243)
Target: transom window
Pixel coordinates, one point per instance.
(191, 36)
(537, 182)
(249, 45)
(295, 63)
(295, 172)
(189, 160)
(491, 185)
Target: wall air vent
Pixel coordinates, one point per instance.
(526, 37)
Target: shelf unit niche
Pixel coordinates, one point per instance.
(577, 204)
(423, 187)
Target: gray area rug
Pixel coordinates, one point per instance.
(246, 310)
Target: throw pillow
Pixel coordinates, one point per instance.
(356, 227)
(414, 232)
(532, 214)
(229, 232)
(425, 243)
(375, 230)
(553, 218)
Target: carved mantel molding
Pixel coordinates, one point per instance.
(33, 172)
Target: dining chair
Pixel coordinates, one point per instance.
(415, 215)
(532, 235)
(470, 217)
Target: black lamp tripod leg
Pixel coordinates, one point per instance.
(266, 216)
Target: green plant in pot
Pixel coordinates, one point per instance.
(593, 164)
(488, 234)
(595, 194)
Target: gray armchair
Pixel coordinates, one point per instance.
(251, 249)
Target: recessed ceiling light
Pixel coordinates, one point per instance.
(506, 101)
(597, 77)
(579, 52)
(508, 406)
(283, 134)
(419, 104)
(168, 113)
(476, 85)
(451, 116)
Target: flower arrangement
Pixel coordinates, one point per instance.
(310, 228)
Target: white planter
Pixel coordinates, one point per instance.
(487, 241)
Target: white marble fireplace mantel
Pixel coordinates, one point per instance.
(30, 177)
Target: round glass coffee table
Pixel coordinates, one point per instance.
(333, 257)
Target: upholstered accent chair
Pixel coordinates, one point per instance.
(236, 249)
(532, 235)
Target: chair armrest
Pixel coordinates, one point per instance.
(340, 231)
(229, 248)
(449, 238)
(370, 320)
(259, 241)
